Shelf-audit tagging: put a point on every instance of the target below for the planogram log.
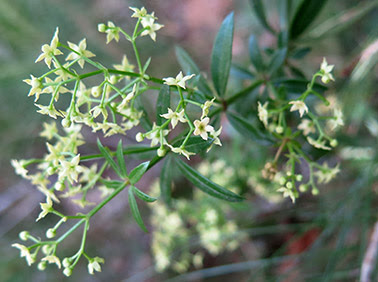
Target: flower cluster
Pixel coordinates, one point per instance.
(206, 218)
(317, 130)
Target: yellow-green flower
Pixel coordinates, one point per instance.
(178, 81)
(49, 51)
(81, 49)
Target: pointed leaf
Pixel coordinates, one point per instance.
(195, 144)
(143, 196)
(304, 16)
(162, 104)
(245, 128)
(205, 184)
(120, 159)
(137, 173)
(166, 180)
(259, 10)
(277, 60)
(190, 67)
(255, 54)
(298, 86)
(135, 211)
(222, 54)
(109, 158)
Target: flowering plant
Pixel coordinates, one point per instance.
(186, 121)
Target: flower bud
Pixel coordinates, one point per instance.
(282, 180)
(303, 187)
(113, 79)
(289, 185)
(333, 143)
(67, 272)
(299, 177)
(315, 191)
(50, 233)
(24, 235)
(139, 137)
(101, 27)
(66, 262)
(279, 129)
(42, 265)
(96, 91)
(59, 186)
(66, 122)
(161, 152)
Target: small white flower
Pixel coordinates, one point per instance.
(94, 265)
(36, 86)
(182, 151)
(156, 135)
(149, 22)
(48, 51)
(298, 106)
(202, 128)
(112, 32)
(19, 167)
(125, 65)
(48, 110)
(307, 127)
(46, 208)
(326, 174)
(138, 13)
(175, 117)
(318, 144)
(178, 81)
(70, 169)
(81, 49)
(337, 120)
(53, 259)
(263, 113)
(216, 141)
(325, 70)
(24, 252)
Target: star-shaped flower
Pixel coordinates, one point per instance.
(175, 117)
(36, 86)
(138, 13)
(19, 167)
(202, 127)
(48, 110)
(325, 71)
(80, 52)
(112, 32)
(94, 265)
(48, 51)
(148, 22)
(206, 107)
(337, 120)
(178, 81)
(156, 135)
(70, 169)
(307, 127)
(318, 144)
(53, 259)
(24, 252)
(46, 208)
(298, 106)
(181, 151)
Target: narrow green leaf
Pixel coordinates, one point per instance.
(146, 65)
(190, 67)
(162, 104)
(166, 180)
(255, 54)
(205, 184)
(284, 12)
(277, 61)
(300, 53)
(135, 211)
(138, 172)
(109, 158)
(195, 144)
(259, 10)
(111, 183)
(241, 73)
(297, 86)
(143, 196)
(222, 54)
(120, 159)
(245, 128)
(304, 16)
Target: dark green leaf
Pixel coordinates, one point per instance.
(255, 54)
(205, 184)
(120, 159)
(111, 183)
(135, 211)
(109, 158)
(195, 144)
(138, 172)
(146, 64)
(222, 54)
(190, 67)
(241, 73)
(300, 53)
(166, 180)
(258, 9)
(277, 60)
(304, 16)
(284, 10)
(138, 149)
(245, 128)
(143, 196)
(298, 86)
(162, 104)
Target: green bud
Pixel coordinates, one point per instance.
(139, 137)
(24, 235)
(299, 177)
(303, 187)
(66, 122)
(50, 233)
(42, 265)
(66, 262)
(59, 186)
(46, 249)
(289, 185)
(101, 27)
(96, 91)
(67, 272)
(279, 129)
(161, 152)
(333, 143)
(282, 180)
(315, 191)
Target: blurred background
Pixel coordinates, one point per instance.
(323, 238)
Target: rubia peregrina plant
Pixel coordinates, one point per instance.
(186, 122)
